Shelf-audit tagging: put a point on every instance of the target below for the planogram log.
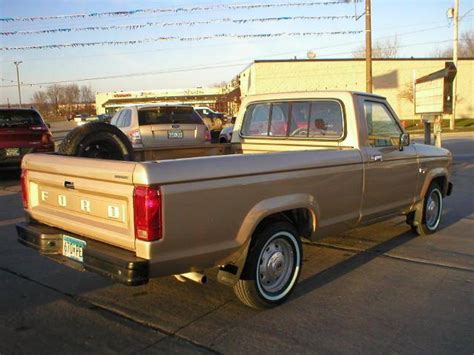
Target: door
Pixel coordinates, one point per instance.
(391, 172)
(170, 125)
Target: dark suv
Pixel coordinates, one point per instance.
(22, 131)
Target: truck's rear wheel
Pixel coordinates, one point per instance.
(272, 267)
(426, 220)
(97, 140)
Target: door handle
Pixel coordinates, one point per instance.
(376, 158)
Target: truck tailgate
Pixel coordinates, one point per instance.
(83, 196)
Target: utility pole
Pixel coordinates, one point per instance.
(368, 47)
(455, 60)
(17, 64)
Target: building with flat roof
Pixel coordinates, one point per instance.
(110, 102)
(392, 78)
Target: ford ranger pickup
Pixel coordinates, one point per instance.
(300, 166)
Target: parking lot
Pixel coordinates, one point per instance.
(377, 289)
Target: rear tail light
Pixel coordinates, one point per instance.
(207, 135)
(24, 188)
(135, 137)
(46, 139)
(148, 213)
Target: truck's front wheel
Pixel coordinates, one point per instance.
(272, 268)
(426, 220)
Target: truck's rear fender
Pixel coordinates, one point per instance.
(277, 206)
(299, 209)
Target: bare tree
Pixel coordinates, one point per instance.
(55, 96)
(71, 94)
(87, 99)
(467, 44)
(381, 49)
(40, 101)
(69, 100)
(61, 101)
(87, 94)
(465, 47)
(407, 92)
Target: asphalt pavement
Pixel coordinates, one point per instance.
(377, 289)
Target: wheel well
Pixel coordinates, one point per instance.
(301, 218)
(442, 182)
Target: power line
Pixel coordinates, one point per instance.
(171, 71)
(12, 81)
(123, 13)
(194, 68)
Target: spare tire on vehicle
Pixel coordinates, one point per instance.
(97, 140)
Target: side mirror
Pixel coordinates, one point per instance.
(404, 141)
(48, 125)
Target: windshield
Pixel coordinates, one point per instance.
(167, 115)
(19, 118)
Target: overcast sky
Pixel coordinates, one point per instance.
(421, 22)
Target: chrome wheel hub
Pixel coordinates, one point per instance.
(275, 265)
(433, 209)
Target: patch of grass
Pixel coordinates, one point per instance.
(462, 124)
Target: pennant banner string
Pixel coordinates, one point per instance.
(181, 23)
(181, 39)
(174, 10)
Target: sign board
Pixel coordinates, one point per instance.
(433, 93)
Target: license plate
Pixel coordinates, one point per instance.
(73, 248)
(175, 134)
(12, 152)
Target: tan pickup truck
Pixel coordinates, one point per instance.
(300, 166)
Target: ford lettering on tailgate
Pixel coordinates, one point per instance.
(74, 201)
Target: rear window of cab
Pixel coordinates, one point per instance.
(317, 119)
(168, 115)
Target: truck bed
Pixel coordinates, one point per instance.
(185, 183)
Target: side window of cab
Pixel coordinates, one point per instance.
(382, 128)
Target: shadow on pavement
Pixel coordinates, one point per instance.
(342, 268)
(460, 204)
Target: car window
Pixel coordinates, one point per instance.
(326, 119)
(256, 120)
(279, 120)
(382, 127)
(168, 115)
(126, 118)
(19, 118)
(114, 119)
(119, 122)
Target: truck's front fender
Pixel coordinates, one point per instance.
(430, 176)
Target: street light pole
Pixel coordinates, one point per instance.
(368, 47)
(17, 64)
(455, 60)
